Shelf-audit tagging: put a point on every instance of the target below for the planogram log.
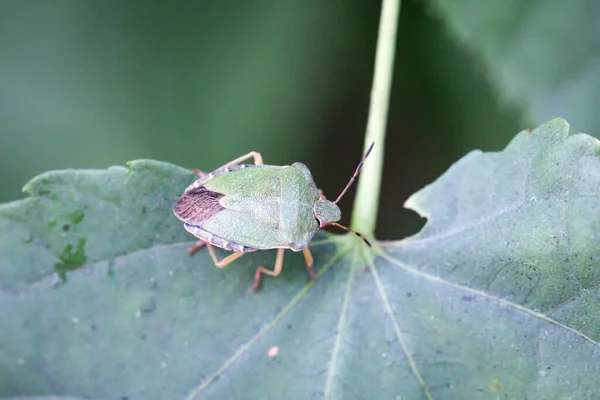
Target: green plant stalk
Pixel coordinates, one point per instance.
(364, 213)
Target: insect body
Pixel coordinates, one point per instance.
(245, 208)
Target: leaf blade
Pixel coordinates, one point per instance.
(452, 312)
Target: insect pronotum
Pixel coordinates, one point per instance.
(249, 207)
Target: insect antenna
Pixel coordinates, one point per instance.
(351, 230)
(354, 177)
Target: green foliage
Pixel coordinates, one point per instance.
(252, 76)
(47, 398)
(496, 297)
(536, 57)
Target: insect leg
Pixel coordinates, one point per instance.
(308, 258)
(201, 174)
(199, 244)
(227, 260)
(262, 270)
(257, 159)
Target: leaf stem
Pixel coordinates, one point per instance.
(364, 213)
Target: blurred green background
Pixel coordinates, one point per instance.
(89, 84)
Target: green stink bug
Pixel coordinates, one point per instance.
(245, 208)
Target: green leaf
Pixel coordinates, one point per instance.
(497, 297)
(44, 398)
(541, 54)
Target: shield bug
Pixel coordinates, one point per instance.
(249, 207)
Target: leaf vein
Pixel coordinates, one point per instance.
(499, 300)
(331, 370)
(246, 346)
(460, 229)
(398, 331)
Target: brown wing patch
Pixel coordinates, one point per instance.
(197, 205)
